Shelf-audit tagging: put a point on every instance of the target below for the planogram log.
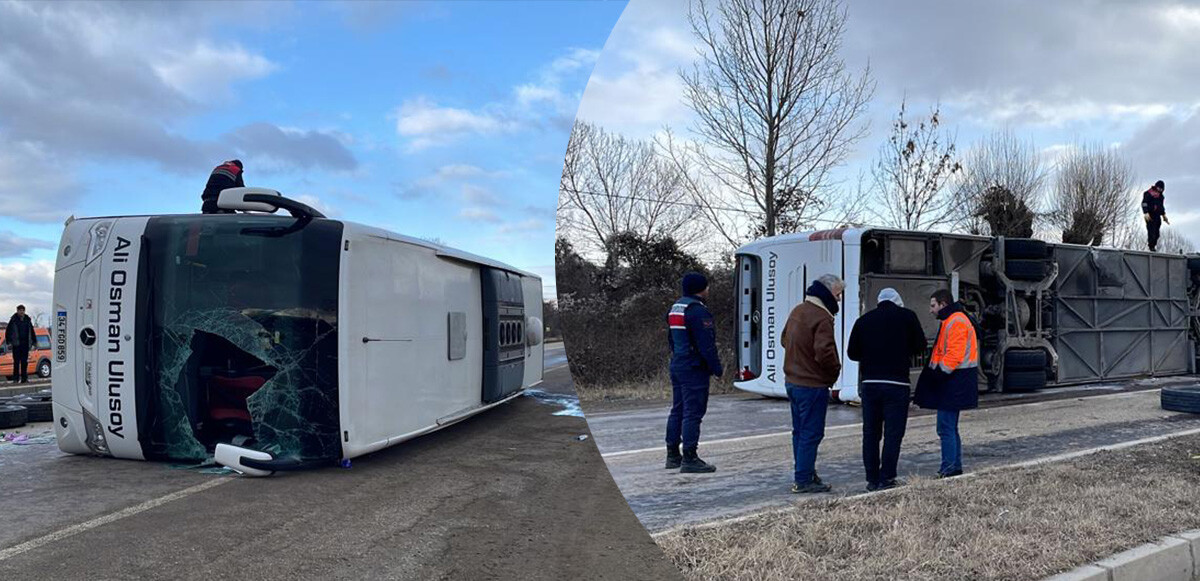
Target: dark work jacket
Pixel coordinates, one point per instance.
(19, 332)
(1153, 205)
(223, 177)
(694, 347)
(957, 390)
(884, 341)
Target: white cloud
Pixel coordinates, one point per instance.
(523, 227)
(427, 124)
(319, 205)
(480, 196)
(478, 214)
(205, 72)
(27, 283)
(34, 186)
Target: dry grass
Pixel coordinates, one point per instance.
(1021, 524)
(657, 389)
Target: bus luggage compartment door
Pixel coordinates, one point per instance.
(503, 334)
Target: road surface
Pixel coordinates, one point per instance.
(749, 440)
(512, 493)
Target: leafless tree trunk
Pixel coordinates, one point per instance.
(1000, 186)
(611, 185)
(911, 174)
(1092, 194)
(775, 107)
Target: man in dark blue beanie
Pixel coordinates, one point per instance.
(693, 340)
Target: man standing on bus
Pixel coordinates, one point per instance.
(884, 341)
(692, 337)
(950, 383)
(1155, 212)
(224, 176)
(18, 335)
(811, 365)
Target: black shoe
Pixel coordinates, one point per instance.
(816, 479)
(890, 483)
(811, 488)
(674, 458)
(872, 487)
(692, 464)
(949, 474)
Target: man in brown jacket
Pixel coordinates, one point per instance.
(811, 364)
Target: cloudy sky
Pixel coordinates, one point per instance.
(1120, 72)
(440, 120)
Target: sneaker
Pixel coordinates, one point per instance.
(892, 483)
(949, 474)
(811, 488)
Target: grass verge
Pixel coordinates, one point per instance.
(656, 389)
(1025, 523)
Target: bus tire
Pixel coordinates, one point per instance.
(1024, 359)
(43, 368)
(1181, 398)
(1025, 380)
(39, 406)
(13, 416)
(1026, 269)
(1018, 248)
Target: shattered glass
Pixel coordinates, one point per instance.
(268, 314)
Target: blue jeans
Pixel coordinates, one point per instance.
(689, 401)
(947, 430)
(809, 405)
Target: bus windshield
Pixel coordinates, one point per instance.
(241, 336)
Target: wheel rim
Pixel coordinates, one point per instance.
(44, 369)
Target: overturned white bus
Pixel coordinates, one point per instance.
(1048, 314)
(275, 342)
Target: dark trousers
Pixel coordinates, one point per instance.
(1152, 228)
(809, 405)
(885, 415)
(20, 363)
(689, 401)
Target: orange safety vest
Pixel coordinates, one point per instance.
(956, 346)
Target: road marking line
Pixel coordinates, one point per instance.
(859, 425)
(108, 518)
(989, 470)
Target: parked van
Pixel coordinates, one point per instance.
(269, 342)
(39, 357)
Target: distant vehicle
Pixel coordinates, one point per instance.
(39, 357)
(1048, 314)
(270, 342)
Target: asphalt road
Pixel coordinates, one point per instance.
(749, 440)
(512, 493)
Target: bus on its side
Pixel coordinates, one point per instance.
(1047, 314)
(271, 342)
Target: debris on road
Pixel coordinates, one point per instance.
(581, 437)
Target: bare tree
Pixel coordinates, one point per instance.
(1132, 234)
(775, 109)
(612, 185)
(910, 175)
(1000, 186)
(1092, 197)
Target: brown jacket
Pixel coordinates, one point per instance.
(810, 355)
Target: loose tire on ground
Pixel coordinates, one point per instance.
(1026, 269)
(43, 368)
(1025, 360)
(1181, 398)
(1019, 381)
(13, 416)
(39, 406)
(1018, 248)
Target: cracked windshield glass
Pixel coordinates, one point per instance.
(243, 338)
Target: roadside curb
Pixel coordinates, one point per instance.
(23, 389)
(1171, 558)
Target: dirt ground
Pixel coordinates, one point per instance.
(1025, 523)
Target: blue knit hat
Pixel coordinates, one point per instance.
(694, 282)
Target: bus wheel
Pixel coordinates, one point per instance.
(43, 369)
(12, 416)
(1181, 398)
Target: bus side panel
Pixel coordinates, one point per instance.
(534, 355)
(397, 375)
(853, 304)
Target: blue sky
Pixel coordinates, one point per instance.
(443, 120)
(1116, 72)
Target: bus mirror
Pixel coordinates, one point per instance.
(232, 456)
(533, 332)
(235, 199)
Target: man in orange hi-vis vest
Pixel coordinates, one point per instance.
(951, 382)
